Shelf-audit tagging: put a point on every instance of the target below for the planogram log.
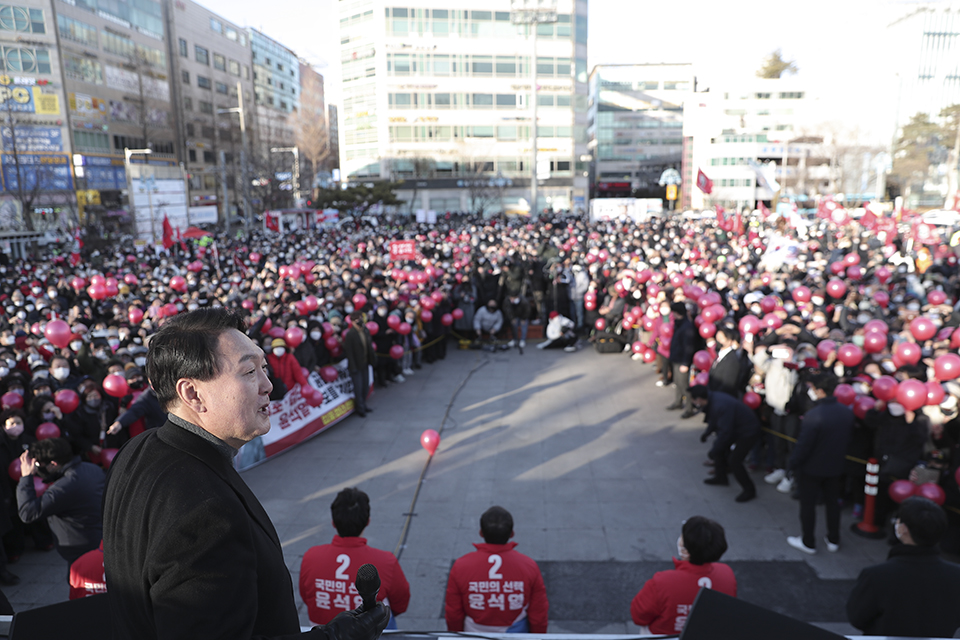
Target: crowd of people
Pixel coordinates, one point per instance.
(755, 324)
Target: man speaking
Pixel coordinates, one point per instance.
(189, 552)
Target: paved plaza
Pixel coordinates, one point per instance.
(578, 446)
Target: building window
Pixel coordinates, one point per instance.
(13, 18)
(118, 45)
(75, 30)
(206, 107)
(762, 96)
(203, 56)
(283, 105)
(231, 34)
(216, 25)
(188, 104)
(90, 141)
(183, 48)
(185, 77)
(483, 100)
(192, 155)
(279, 67)
(246, 72)
(222, 88)
(219, 62)
(208, 157)
(190, 129)
(204, 82)
(506, 101)
(234, 68)
(26, 59)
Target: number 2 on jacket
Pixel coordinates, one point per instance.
(496, 561)
(344, 561)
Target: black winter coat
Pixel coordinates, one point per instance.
(683, 343)
(825, 434)
(730, 419)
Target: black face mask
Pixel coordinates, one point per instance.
(48, 474)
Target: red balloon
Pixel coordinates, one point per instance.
(845, 394)
(876, 325)
(713, 313)
(293, 337)
(430, 440)
(107, 456)
(666, 329)
(825, 348)
(912, 394)
(39, 486)
(644, 276)
(14, 470)
(247, 304)
(702, 379)
(900, 490)
(457, 314)
(58, 333)
(931, 491)
(589, 305)
(11, 400)
(427, 303)
(947, 367)
(170, 309)
(47, 430)
(134, 315)
(750, 324)
(707, 330)
(393, 321)
(98, 279)
(883, 274)
(850, 355)
(426, 315)
(404, 329)
(276, 332)
(923, 328)
(837, 268)
(331, 343)
(329, 374)
(177, 283)
(908, 352)
(115, 385)
(752, 400)
(855, 272)
(313, 397)
(702, 360)
(446, 319)
(359, 301)
(254, 257)
(836, 288)
(801, 294)
(66, 400)
(935, 393)
(772, 321)
(312, 303)
(638, 347)
(955, 339)
(337, 352)
(131, 280)
(863, 404)
(600, 324)
(301, 307)
(851, 259)
(77, 283)
(396, 351)
(769, 303)
(936, 297)
(373, 328)
(874, 342)
(881, 298)
(97, 291)
(885, 388)
(649, 356)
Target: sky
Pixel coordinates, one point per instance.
(840, 46)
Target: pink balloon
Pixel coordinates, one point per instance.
(947, 367)
(702, 360)
(293, 337)
(430, 440)
(836, 288)
(446, 319)
(707, 330)
(177, 283)
(426, 315)
(912, 394)
(276, 332)
(396, 351)
(801, 294)
(393, 321)
(66, 400)
(936, 297)
(772, 321)
(313, 397)
(329, 374)
(373, 328)
(331, 343)
(11, 400)
(862, 405)
(600, 324)
(115, 385)
(47, 430)
(851, 259)
(701, 379)
(131, 280)
(13, 470)
(457, 314)
(874, 342)
(638, 347)
(908, 352)
(837, 268)
(876, 325)
(99, 280)
(931, 491)
(900, 490)
(922, 328)
(750, 324)
(935, 392)
(752, 400)
(106, 457)
(769, 303)
(850, 355)
(882, 299)
(845, 394)
(359, 301)
(885, 388)
(312, 303)
(58, 333)
(97, 291)
(825, 348)
(883, 274)
(134, 315)
(404, 329)
(39, 486)
(649, 356)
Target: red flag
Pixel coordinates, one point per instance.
(737, 224)
(869, 220)
(764, 211)
(703, 182)
(167, 233)
(719, 214)
(183, 245)
(75, 248)
(272, 222)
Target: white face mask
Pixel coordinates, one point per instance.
(140, 362)
(812, 395)
(60, 373)
(315, 335)
(76, 345)
(279, 352)
(14, 430)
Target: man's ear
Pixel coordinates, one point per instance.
(189, 394)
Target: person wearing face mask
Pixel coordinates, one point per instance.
(72, 501)
(95, 413)
(13, 441)
(818, 460)
(62, 375)
(358, 349)
(664, 602)
(285, 366)
(914, 593)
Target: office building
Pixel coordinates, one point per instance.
(210, 58)
(439, 96)
(636, 126)
(334, 134)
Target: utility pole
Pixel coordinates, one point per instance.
(533, 13)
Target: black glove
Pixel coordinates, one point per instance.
(357, 625)
(704, 436)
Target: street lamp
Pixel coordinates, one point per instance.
(296, 170)
(533, 13)
(133, 207)
(248, 212)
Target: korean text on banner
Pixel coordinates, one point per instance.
(403, 250)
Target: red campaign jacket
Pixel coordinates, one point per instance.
(666, 599)
(494, 587)
(328, 573)
(288, 369)
(86, 575)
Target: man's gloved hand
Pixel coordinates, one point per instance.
(704, 436)
(357, 625)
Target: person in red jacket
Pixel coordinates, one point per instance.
(86, 575)
(496, 589)
(285, 366)
(328, 572)
(664, 602)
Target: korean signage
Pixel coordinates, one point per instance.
(88, 107)
(46, 172)
(403, 250)
(31, 138)
(104, 173)
(23, 99)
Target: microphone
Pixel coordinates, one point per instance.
(368, 586)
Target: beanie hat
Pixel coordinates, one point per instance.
(278, 342)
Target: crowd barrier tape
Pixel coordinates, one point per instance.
(293, 420)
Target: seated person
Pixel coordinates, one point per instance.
(664, 602)
(487, 323)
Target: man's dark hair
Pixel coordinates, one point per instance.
(729, 333)
(351, 512)
(925, 519)
(698, 391)
(826, 381)
(51, 450)
(356, 316)
(496, 525)
(704, 539)
(186, 347)
(679, 308)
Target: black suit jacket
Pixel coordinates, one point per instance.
(725, 374)
(189, 551)
(825, 434)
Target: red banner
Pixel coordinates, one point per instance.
(704, 183)
(403, 250)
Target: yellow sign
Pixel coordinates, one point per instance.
(671, 192)
(45, 104)
(88, 196)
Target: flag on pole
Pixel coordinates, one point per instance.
(183, 245)
(703, 182)
(764, 211)
(720, 216)
(167, 233)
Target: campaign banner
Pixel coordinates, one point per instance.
(293, 420)
(42, 172)
(403, 250)
(31, 138)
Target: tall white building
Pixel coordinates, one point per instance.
(439, 96)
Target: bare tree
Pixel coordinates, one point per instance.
(774, 66)
(313, 140)
(482, 189)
